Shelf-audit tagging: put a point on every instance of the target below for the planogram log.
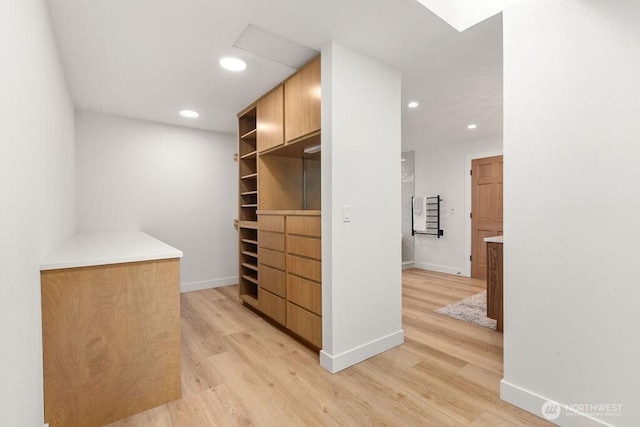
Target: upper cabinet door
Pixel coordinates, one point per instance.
(270, 118)
(302, 102)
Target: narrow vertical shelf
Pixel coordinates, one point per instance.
(247, 165)
(247, 206)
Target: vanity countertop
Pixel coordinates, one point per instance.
(494, 239)
(88, 249)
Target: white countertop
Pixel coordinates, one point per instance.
(87, 249)
(494, 239)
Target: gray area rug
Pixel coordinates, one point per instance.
(472, 309)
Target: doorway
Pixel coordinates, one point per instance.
(486, 209)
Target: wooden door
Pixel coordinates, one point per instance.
(270, 120)
(486, 209)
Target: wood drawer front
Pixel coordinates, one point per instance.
(270, 240)
(271, 223)
(305, 293)
(306, 246)
(305, 324)
(271, 258)
(272, 305)
(304, 225)
(307, 268)
(272, 280)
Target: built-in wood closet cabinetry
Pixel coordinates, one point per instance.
(279, 212)
(302, 102)
(270, 120)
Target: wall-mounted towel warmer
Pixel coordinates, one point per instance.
(431, 216)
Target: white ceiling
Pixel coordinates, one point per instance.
(148, 59)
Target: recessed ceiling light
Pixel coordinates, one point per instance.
(190, 114)
(472, 126)
(233, 64)
(412, 104)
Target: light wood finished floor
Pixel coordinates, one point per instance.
(239, 370)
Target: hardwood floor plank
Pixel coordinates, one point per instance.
(225, 408)
(507, 419)
(265, 405)
(197, 328)
(240, 370)
(417, 405)
(197, 374)
(219, 321)
(276, 341)
(182, 413)
(133, 421)
(301, 396)
(158, 417)
(358, 405)
(402, 356)
(483, 377)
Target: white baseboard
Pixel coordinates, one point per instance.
(439, 268)
(407, 265)
(532, 402)
(208, 284)
(348, 358)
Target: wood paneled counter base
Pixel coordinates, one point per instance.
(111, 340)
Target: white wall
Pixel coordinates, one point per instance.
(37, 208)
(174, 183)
(572, 140)
(443, 170)
(361, 259)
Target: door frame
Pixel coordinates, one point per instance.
(467, 203)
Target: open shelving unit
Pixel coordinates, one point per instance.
(248, 204)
